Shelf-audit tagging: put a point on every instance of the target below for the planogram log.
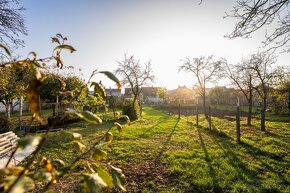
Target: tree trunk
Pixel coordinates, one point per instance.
(250, 103)
(20, 112)
(203, 103)
(289, 100)
(8, 110)
(263, 115)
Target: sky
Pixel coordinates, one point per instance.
(161, 31)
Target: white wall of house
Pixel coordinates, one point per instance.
(16, 108)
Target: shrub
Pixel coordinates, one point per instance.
(131, 110)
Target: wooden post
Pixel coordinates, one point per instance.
(113, 103)
(20, 112)
(179, 109)
(209, 117)
(56, 106)
(238, 129)
(197, 114)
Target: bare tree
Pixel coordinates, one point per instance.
(242, 78)
(135, 76)
(11, 23)
(264, 73)
(204, 69)
(252, 15)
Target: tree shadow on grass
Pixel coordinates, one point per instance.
(230, 148)
(212, 172)
(166, 142)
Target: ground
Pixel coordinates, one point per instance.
(161, 153)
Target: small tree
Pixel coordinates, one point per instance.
(204, 69)
(264, 74)
(13, 85)
(162, 93)
(134, 75)
(242, 78)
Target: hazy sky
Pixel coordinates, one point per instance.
(163, 31)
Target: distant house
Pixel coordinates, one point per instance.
(113, 92)
(128, 93)
(150, 94)
(147, 95)
(182, 93)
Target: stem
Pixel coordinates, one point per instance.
(46, 187)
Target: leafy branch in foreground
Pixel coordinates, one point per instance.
(22, 179)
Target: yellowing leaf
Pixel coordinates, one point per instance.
(126, 118)
(111, 76)
(107, 178)
(64, 46)
(90, 117)
(119, 127)
(109, 137)
(10, 171)
(93, 183)
(53, 39)
(99, 154)
(79, 145)
(25, 184)
(99, 90)
(118, 178)
(29, 140)
(33, 97)
(76, 135)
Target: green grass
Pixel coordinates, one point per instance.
(160, 153)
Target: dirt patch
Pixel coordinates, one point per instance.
(146, 175)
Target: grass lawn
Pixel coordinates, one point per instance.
(160, 153)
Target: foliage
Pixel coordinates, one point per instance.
(13, 85)
(94, 102)
(24, 179)
(131, 109)
(162, 93)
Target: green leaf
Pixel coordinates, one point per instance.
(90, 117)
(118, 178)
(126, 118)
(65, 46)
(99, 154)
(5, 49)
(111, 76)
(107, 178)
(119, 127)
(99, 89)
(25, 184)
(59, 161)
(93, 183)
(29, 140)
(79, 145)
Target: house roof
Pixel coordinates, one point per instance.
(149, 91)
